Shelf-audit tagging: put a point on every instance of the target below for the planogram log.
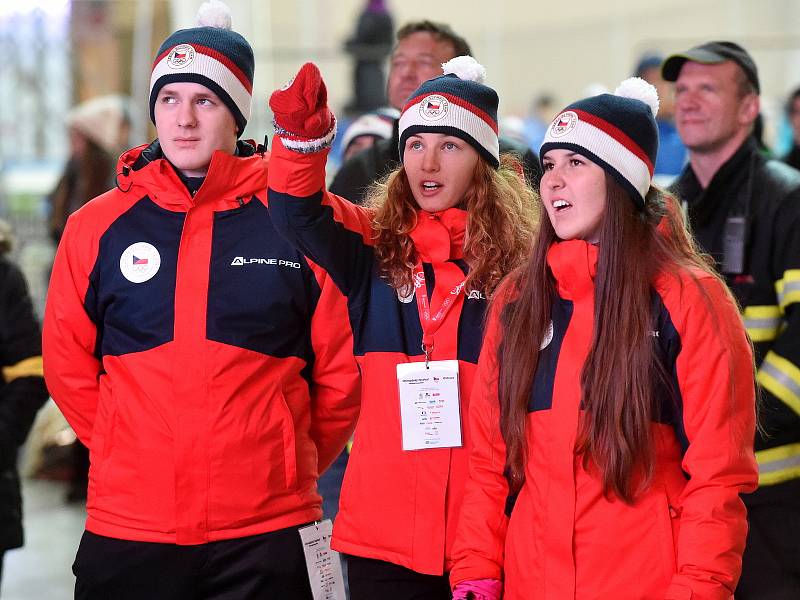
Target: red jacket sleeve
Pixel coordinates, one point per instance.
(334, 233)
(300, 176)
(71, 369)
(715, 374)
(480, 540)
(335, 386)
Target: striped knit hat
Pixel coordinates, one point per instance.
(211, 55)
(616, 131)
(458, 104)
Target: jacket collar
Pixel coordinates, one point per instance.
(574, 266)
(439, 237)
(229, 177)
(702, 203)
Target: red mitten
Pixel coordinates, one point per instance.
(301, 106)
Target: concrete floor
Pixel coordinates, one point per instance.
(41, 570)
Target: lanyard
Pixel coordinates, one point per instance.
(431, 322)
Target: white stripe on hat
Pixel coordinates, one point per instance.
(457, 117)
(607, 149)
(202, 64)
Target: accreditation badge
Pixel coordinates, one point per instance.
(323, 564)
(430, 410)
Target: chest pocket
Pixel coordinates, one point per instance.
(261, 293)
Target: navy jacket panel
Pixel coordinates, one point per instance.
(262, 292)
(542, 389)
(132, 317)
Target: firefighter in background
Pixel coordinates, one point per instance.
(745, 211)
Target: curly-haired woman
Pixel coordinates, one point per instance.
(417, 266)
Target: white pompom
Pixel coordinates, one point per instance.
(214, 13)
(465, 67)
(638, 89)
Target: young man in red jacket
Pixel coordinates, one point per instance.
(196, 353)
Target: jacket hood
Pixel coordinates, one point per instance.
(229, 176)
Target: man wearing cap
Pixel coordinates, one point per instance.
(422, 47)
(196, 353)
(745, 211)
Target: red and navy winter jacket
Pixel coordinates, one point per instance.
(197, 354)
(561, 537)
(397, 506)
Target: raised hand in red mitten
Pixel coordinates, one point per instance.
(301, 106)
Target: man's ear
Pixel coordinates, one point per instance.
(749, 109)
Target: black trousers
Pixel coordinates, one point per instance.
(377, 580)
(771, 561)
(269, 566)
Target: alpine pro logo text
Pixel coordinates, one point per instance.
(241, 261)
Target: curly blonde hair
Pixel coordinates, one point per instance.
(502, 213)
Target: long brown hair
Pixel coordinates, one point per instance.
(85, 177)
(501, 214)
(620, 374)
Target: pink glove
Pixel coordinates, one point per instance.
(301, 106)
(478, 589)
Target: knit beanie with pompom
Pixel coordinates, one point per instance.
(458, 104)
(615, 131)
(211, 55)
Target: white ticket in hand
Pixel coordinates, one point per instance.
(429, 404)
(324, 565)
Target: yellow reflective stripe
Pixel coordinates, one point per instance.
(791, 275)
(788, 288)
(762, 322)
(770, 311)
(759, 334)
(777, 465)
(29, 367)
(781, 378)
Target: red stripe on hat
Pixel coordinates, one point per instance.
(232, 67)
(616, 133)
(161, 57)
(216, 55)
(458, 101)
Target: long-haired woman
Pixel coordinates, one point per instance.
(417, 267)
(614, 412)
